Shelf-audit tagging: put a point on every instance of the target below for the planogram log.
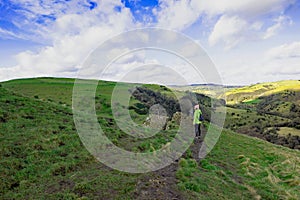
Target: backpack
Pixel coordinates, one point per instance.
(201, 117)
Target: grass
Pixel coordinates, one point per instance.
(46, 89)
(252, 101)
(245, 119)
(243, 167)
(287, 130)
(249, 93)
(42, 156)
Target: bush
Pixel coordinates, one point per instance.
(189, 153)
(193, 163)
(183, 162)
(206, 165)
(193, 186)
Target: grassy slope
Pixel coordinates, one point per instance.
(252, 92)
(244, 167)
(43, 156)
(47, 89)
(239, 118)
(288, 130)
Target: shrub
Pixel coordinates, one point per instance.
(189, 153)
(193, 163)
(206, 165)
(183, 162)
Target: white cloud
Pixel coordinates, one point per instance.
(285, 51)
(232, 30)
(8, 34)
(249, 8)
(229, 29)
(283, 60)
(33, 8)
(41, 21)
(176, 14)
(287, 67)
(180, 14)
(277, 63)
(279, 23)
(261, 71)
(77, 30)
(238, 20)
(67, 51)
(73, 36)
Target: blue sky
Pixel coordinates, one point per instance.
(249, 41)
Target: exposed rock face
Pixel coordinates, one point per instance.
(157, 122)
(157, 117)
(176, 119)
(162, 122)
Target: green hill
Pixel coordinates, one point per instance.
(275, 117)
(251, 93)
(42, 156)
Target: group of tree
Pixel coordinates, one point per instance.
(291, 141)
(149, 97)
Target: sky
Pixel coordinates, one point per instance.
(249, 41)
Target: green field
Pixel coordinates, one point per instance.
(42, 156)
(287, 130)
(251, 93)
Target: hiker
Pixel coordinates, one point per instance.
(197, 120)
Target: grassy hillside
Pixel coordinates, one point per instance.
(42, 156)
(250, 93)
(285, 104)
(287, 130)
(275, 117)
(45, 89)
(241, 167)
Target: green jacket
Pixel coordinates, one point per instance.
(197, 114)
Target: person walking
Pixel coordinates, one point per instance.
(197, 120)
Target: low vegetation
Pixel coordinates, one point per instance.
(42, 156)
(249, 93)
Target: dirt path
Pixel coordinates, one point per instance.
(162, 184)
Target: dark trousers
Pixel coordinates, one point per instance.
(198, 129)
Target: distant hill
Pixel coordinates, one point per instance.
(211, 90)
(250, 93)
(214, 85)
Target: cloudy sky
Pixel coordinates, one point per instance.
(249, 41)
